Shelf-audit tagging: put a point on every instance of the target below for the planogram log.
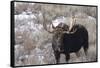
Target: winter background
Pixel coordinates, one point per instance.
(5, 34)
(33, 44)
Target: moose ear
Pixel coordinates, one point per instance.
(53, 26)
(61, 25)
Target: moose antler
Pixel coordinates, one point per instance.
(45, 25)
(73, 21)
(70, 28)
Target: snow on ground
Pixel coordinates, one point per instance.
(33, 44)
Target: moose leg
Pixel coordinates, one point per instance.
(85, 50)
(57, 56)
(67, 57)
(77, 54)
(85, 47)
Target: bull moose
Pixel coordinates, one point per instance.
(68, 39)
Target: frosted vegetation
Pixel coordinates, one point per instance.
(33, 44)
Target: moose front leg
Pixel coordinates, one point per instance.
(57, 56)
(67, 57)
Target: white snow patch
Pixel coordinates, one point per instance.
(90, 17)
(19, 37)
(17, 46)
(24, 16)
(59, 20)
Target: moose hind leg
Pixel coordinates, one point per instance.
(67, 57)
(57, 56)
(85, 49)
(77, 54)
